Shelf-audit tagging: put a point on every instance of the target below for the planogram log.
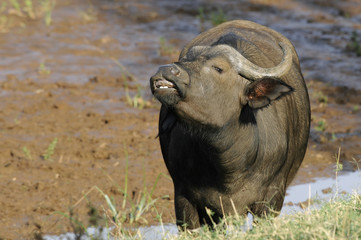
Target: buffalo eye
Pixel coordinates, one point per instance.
(219, 70)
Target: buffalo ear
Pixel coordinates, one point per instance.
(262, 92)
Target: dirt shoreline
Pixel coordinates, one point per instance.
(66, 124)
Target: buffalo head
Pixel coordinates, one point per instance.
(211, 84)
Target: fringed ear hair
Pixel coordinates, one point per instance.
(262, 92)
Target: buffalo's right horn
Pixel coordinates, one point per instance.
(250, 70)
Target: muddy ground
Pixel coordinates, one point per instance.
(68, 89)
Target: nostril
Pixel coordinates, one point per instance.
(175, 71)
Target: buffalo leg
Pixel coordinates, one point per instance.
(186, 214)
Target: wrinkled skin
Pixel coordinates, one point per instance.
(228, 138)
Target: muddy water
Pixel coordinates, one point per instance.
(70, 81)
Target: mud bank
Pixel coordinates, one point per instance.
(68, 90)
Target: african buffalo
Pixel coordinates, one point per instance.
(234, 121)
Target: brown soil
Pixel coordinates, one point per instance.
(77, 100)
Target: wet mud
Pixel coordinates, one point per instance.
(76, 113)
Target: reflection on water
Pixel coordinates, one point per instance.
(93, 233)
(158, 232)
(322, 188)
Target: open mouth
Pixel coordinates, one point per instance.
(163, 84)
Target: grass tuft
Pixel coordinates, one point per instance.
(336, 219)
(137, 101)
(354, 45)
(215, 17)
(166, 49)
(27, 153)
(16, 13)
(321, 125)
(218, 17)
(50, 150)
(43, 70)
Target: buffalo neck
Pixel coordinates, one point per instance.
(228, 148)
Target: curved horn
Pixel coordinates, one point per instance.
(250, 70)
